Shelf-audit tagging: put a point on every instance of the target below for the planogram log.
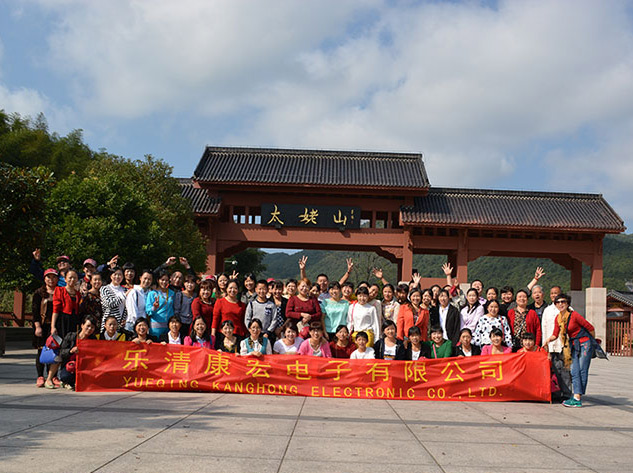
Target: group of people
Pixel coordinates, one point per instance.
(337, 319)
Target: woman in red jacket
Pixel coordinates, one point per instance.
(414, 314)
(230, 308)
(523, 320)
(577, 336)
(66, 302)
(304, 308)
(202, 306)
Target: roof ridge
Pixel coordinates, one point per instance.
(505, 192)
(327, 153)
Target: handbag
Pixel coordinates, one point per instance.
(47, 357)
(54, 342)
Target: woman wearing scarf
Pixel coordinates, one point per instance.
(577, 336)
(523, 320)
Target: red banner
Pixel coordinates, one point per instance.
(126, 366)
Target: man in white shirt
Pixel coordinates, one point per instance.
(135, 300)
(555, 348)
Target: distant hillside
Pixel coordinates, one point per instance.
(494, 271)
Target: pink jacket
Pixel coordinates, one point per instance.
(306, 349)
(190, 343)
(486, 350)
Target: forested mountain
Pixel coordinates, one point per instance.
(494, 271)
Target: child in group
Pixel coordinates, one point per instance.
(363, 352)
(264, 309)
(111, 332)
(174, 336)
(439, 347)
(362, 316)
(528, 342)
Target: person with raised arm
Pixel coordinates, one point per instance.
(446, 316)
(523, 320)
(458, 299)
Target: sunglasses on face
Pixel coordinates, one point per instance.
(561, 301)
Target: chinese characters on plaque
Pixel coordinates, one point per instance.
(310, 216)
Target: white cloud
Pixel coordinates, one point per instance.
(22, 100)
(472, 87)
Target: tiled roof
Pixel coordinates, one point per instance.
(201, 202)
(312, 167)
(519, 209)
(624, 297)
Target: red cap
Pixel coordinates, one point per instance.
(51, 271)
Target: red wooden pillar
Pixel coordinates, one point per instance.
(211, 248)
(596, 266)
(461, 262)
(407, 256)
(576, 275)
(19, 300)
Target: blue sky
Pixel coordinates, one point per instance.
(512, 95)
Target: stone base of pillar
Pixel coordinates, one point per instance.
(596, 311)
(578, 302)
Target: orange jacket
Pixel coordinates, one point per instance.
(405, 322)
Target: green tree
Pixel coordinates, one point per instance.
(28, 143)
(120, 207)
(248, 261)
(22, 221)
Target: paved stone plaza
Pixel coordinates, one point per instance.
(42, 431)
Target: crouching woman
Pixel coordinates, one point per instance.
(68, 353)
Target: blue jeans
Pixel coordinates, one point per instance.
(66, 377)
(580, 361)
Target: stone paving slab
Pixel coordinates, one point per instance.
(42, 430)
